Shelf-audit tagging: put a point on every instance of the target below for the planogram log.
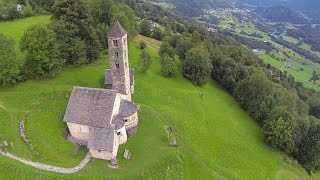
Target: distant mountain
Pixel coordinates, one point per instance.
(298, 4)
(281, 14)
(194, 8)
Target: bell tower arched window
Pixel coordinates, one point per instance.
(115, 42)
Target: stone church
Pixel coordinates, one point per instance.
(102, 119)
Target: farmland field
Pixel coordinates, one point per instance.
(216, 138)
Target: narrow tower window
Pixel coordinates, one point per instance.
(115, 42)
(116, 54)
(117, 65)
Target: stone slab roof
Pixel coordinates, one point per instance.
(117, 30)
(101, 138)
(127, 108)
(108, 79)
(118, 122)
(90, 106)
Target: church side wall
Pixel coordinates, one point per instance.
(107, 155)
(79, 131)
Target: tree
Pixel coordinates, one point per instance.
(127, 18)
(309, 150)
(145, 28)
(144, 62)
(102, 11)
(314, 104)
(166, 48)
(157, 33)
(9, 69)
(102, 30)
(278, 129)
(197, 66)
(42, 55)
(168, 67)
(183, 45)
(314, 77)
(71, 23)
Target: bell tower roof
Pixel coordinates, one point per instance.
(117, 30)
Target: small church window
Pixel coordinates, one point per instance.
(117, 65)
(116, 54)
(115, 42)
(118, 133)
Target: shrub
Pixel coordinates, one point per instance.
(143, 45)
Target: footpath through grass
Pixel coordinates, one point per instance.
(216, 138)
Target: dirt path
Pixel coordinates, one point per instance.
(2, 107)
(282, 172)
(45, 167)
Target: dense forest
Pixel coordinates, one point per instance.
(286, 111)
(281, 14)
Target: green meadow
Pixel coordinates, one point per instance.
(216, 138)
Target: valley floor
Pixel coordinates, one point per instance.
(216, 138)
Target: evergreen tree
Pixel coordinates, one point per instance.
(74, 32)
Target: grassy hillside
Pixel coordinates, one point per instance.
(216, 137)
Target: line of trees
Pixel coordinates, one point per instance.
(307, 54)
(75, 35)
(24, 8)
(287, 112)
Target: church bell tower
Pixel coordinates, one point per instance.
(118, 53)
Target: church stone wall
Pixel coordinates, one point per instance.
(122, 135)
(119, 64)
(132, 124)
(79, 131)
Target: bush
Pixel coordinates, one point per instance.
(143, 45)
